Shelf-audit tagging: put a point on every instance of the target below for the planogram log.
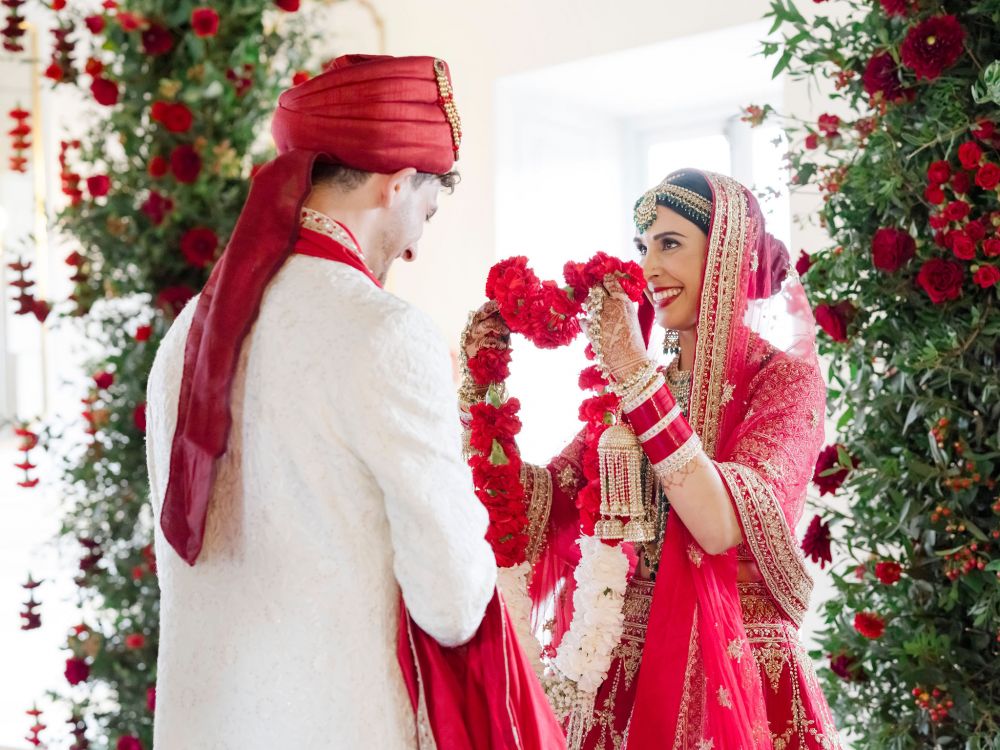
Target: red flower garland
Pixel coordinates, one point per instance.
(14, 29)
(29, 441)
(548, 316)
(32, 619)
(19, 139)
(34, 738)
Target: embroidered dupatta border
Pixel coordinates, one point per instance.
(769, 538)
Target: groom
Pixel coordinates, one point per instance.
(305, 461)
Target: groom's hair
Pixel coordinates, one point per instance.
(346, 179)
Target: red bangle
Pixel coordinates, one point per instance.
(644, 416)
(668, 440)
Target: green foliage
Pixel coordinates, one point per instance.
(917, 384)
(229, 83)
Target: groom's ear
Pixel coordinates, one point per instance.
(395, 186)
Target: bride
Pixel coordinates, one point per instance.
(709, 655)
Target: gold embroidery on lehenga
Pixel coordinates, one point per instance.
(538, 487)
(567, 478)
(735, 649)
(695, 554)
(724, 698)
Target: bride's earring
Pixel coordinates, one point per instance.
(672, 343)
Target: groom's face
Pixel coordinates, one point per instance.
(413, 203)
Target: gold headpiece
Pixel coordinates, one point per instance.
(687, 202)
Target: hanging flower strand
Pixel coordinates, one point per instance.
(29, 441)
(19, 143)
(32, 618)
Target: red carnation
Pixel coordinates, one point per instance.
(933, 46)
(490, 365)
(830, 474)
(95, 24)
(98, 185)
(105, 91)
(199, 245)
(881, 78)
(988, 176)
(834, 319)
(595, 409)
(139, 416)
(104, 380)
(888, 572)
(156, 207)
(185, 163)
(151, 698)
(142, 333)
(128, 742)
(892, 249)
(77, 670)
(157, 40)
(287, 5)
(174, 298)
(816, 542)
(869, 624)
(205, 22)
(177, 118)
(158, 166)
(896, 7)
(941, 280)
(491, 423)
(939, 172)
(970, 154)
(986, 276)
(591, 379)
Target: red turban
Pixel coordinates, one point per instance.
(373, 113)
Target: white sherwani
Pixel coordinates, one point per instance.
(343, 484)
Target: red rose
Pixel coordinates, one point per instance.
(803, 264)
(829, 473)
(987, 276)
(845, 667)
(933, 46)
(829, 125)
(892, 249)
(151, 698)
(74, 259)
(941, 280)
(988, 176)
(174, 298)
(939, 172)
(957, 210)
(812, 141)
(185, 164)
(888, 572)
(135, 640)
(142, 333)
(895, 7)
(128, 21)
(984, 130)
(591, 379)
(816, 542)
(156, 207)
(54, 72)
(157, 40)
(961, 183)
(970, 154)
(139, 416)
(869, 624)
(205, 22)
(77, 670)
(301, 76)
(105, 91)
(95, 24)
(128, 742)
(158, 166)
(834, 319)
(104, 380)
(934, 195)
(490, 365)
(881, 78)
(98, 185)
(177, 118)
(975, 230)
(287, 5)
(94, 67)
(938, 221)
(199, 245)
(961, 245)
(991, 248)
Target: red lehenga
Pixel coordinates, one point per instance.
(710, 655)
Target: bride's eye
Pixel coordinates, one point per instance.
(641, 249)
(670, 244)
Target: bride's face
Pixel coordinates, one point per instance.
(673, 251)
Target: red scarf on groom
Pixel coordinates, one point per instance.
(377, 114)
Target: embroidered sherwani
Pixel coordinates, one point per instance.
(343, 486)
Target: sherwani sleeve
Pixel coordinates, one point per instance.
(404, 415)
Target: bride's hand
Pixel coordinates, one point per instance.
(486, 328)
(620, 342)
